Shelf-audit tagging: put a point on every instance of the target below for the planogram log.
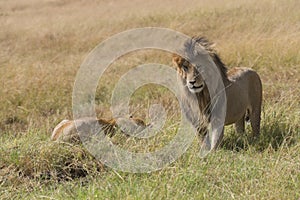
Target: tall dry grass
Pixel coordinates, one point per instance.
(42, 46)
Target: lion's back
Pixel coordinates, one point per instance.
(248, 81)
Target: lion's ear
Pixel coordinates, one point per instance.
(176, 60)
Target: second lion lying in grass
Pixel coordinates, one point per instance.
(73, 131)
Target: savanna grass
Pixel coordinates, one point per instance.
(43, 44)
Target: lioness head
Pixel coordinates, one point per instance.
(190, 76)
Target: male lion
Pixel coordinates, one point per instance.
(243, 90)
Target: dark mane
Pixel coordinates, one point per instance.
(190, 45)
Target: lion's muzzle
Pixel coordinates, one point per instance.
(195, 87)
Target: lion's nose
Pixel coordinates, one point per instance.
(192, 82)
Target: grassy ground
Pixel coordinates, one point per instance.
(42, 46)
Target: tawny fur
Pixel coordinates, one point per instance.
(243, 90)
(67, 130)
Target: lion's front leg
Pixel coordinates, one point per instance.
(201, 133)
(203, 137)
(210, 140)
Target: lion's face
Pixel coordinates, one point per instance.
(190, 76)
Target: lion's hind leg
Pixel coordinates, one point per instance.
(240, 125)
(255, 123)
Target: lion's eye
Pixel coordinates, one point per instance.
(185, 66)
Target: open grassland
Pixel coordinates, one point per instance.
(42, 46)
